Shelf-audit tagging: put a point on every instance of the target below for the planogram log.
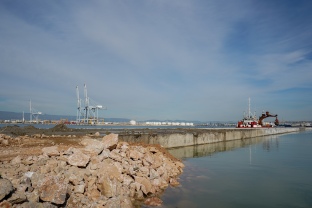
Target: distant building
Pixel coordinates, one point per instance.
(132, 122)
(167, 123)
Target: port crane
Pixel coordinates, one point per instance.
(34, 114)
(89, 114)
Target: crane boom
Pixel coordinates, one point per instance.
(78, 100)
(266, 115)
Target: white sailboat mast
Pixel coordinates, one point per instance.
(249, 107)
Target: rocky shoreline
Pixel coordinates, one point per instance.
(83, 171)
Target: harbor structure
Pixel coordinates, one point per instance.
(158, 123)
(170, 138)
(34, 114)
(89, 113)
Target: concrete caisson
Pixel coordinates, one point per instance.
(192, 137)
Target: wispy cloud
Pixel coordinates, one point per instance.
(197, 60)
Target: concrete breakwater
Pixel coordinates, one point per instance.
(203, 150)
(187, 137)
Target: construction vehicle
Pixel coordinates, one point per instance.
(266, 115)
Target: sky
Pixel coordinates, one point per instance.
(157, 59)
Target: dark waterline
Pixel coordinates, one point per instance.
(272, 171)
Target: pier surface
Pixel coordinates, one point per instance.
(170, 138)
(166, 137)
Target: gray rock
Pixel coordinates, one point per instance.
(115, 156)
(110, 141)
(93, 146)
(78, 159)
(79, 189)
(53, 189)
(16, 160)
(146, 184)
(105, 154)
(35, 178)
(135, 154)
(6, 187)
(5, 204)
(74, 179)
(37, 205)
(17, 198)
(33, 196)
(51, 151)
(153, 201)
(109, 187)
(5, 142)
(121, 201)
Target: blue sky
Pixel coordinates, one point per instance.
(158, 59)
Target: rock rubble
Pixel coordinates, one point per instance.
(102, 173)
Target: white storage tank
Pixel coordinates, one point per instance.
(132, 122)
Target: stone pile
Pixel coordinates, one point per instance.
(103, 173)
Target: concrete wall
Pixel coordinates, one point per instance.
(209, 149)
(203, 136)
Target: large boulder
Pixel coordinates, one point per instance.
(78, 159)
(109, 186)
(92, 145)
(16, 160)
(121, 201)
(51, 151)
(53, 189)
(135, 154)
(146, 184)
(5, 204)
(110, 141)
(17, 198)
(107, 168)
(110, 179)
(153, 201)
(6, 187)
(38, 205)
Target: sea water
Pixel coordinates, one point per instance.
(273, 171)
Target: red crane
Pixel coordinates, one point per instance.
(266, 115)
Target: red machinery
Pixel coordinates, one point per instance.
(266, 115)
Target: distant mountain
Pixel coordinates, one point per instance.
(6, 115)
(117, 120)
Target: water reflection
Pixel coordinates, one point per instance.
(269, 143)
(275, 168)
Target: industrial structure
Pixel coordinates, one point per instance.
(251, 121)
(89, 113)
(34, 114)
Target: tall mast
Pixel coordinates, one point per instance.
(86, 102)
(78, 105)
(249, 107)
(30, 119)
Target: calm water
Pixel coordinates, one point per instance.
(273, 171)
